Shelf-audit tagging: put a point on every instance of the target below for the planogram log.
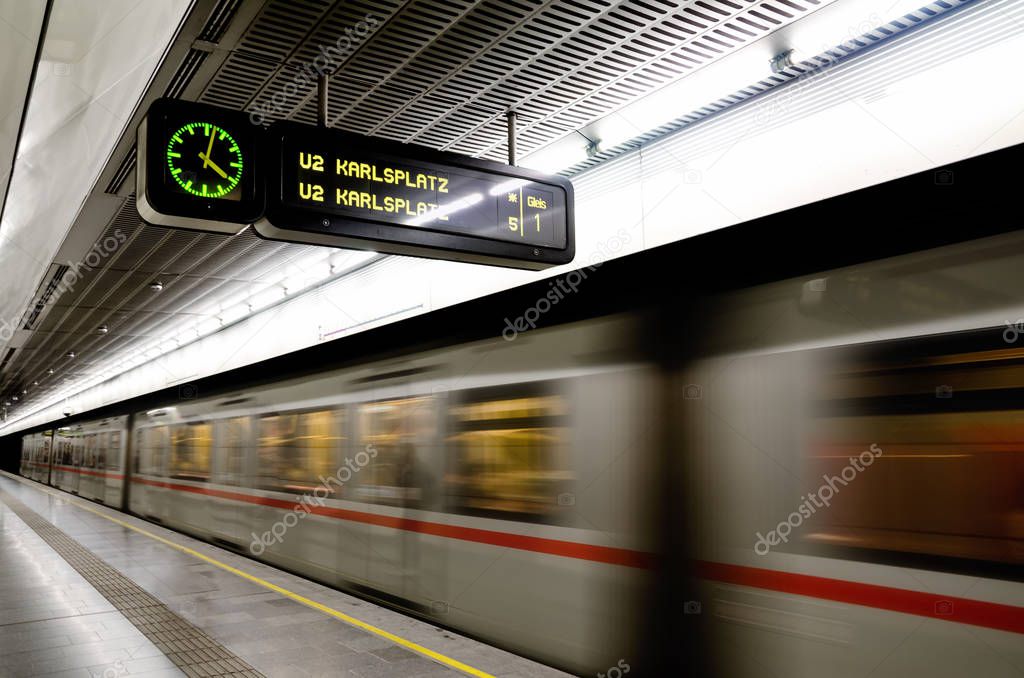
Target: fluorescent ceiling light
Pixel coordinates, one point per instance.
(554, 157)
(508, 186)
(836, 23)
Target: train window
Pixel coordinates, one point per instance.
(936, 476)
(510, 457)
(191, 445)
(400, 435)
(297, 449)
(153, 449)
(232, 443)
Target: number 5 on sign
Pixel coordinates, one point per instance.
(513, 224)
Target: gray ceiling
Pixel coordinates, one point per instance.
(436, 73)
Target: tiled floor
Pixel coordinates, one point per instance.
(54, 623)
(187, 646)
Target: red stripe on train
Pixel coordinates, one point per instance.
(947, 608)
(566, 549)
(960, 610)
(100, 474)
(72, 469)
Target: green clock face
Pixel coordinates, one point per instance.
(205, 160)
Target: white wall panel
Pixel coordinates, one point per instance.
(948, 91)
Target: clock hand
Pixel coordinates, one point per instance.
(206, 161)
(209, 149)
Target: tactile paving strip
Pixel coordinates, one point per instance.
(189, 647)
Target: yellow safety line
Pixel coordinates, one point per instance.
(436, 656)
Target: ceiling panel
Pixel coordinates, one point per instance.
(441, 73)
(21, 22)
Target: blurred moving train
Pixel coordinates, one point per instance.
(642, 478)
(477, 484)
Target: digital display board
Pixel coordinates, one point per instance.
(334, 188)
(198, 167)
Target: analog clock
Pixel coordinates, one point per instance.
(205, 160)
(199, 167)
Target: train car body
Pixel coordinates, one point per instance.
(35, 456)
(482, 485)
(89, 459)
(855, 467)
(813, 473)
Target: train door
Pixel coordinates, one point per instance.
(26, 455)
(137, 491)
(230, 518)
(351, 559)
(30, 442)
(30, 450)
(89, 481)
(83, 463)
(58, 459)
(43, 458)
(33, 455)
(101, 441)
(188, 469)
(393, 461)
(510, 470)
(153, 459)
(63, 459)
(114, 481)
(47, 444)
(297, 450)
(77, 443)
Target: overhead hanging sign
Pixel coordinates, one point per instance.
(333, 188)
(206, 168)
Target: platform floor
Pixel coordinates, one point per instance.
(88, 591)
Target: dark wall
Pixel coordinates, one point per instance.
(10, 453)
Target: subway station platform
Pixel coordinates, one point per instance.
(88, 591)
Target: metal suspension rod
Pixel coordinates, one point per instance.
(511, 117)
(321, 91)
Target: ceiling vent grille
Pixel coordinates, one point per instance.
(7, 359)
(213, 31)
(45, 297)
(220, 19)
(443, 74)
(834, 56)
(126, 167)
